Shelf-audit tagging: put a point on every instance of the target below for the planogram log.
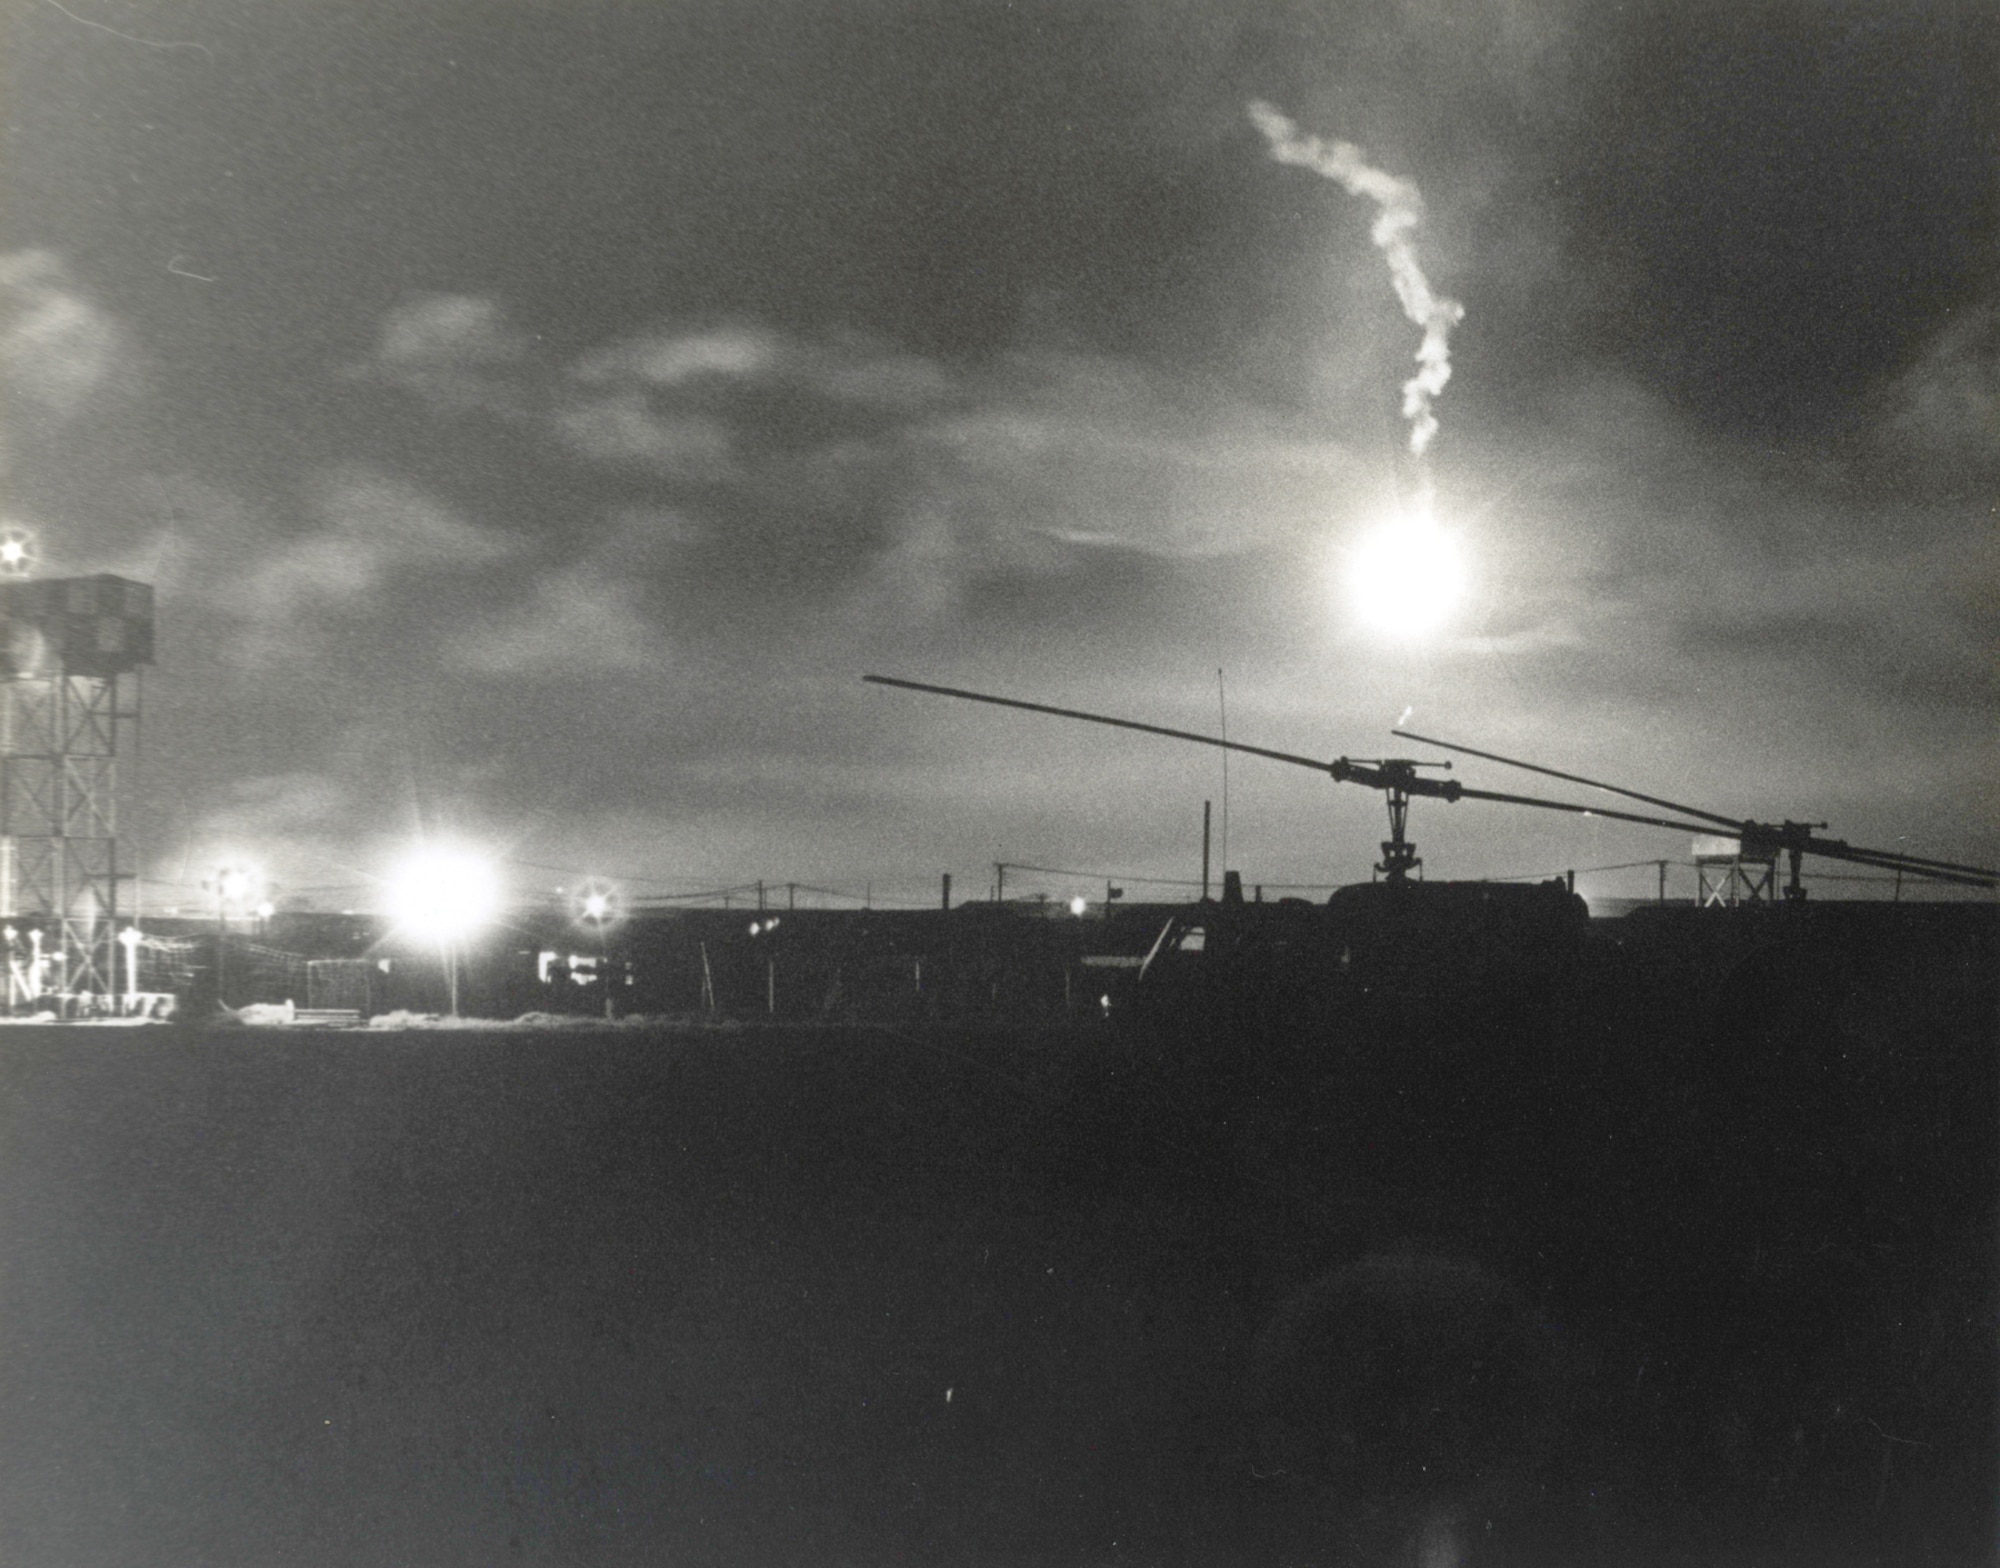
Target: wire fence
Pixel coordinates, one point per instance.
(1669, 879)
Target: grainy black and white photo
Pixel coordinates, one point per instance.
(1010, 783)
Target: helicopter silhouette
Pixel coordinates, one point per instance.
(1400, 782)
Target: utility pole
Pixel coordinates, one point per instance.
(1206, 809)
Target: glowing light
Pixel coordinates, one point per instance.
(1078, 904)
(17, 552)
(238, 887)
(1407, 577)
(597, 903)
(443, 894)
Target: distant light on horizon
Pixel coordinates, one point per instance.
(443, 893)
(597, 904)
(239, 887)
(16, 552)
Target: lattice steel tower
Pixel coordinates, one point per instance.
(71, 650)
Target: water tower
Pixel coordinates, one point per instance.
(71, 650)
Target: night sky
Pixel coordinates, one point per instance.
(536, 418)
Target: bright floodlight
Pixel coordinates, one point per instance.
(1078, 904)
(237, 887)
(17, 552)
(443, 894)
(1406, 577)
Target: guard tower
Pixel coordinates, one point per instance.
(1727, 876)
(71, 650)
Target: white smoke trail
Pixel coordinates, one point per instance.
(1401, 208)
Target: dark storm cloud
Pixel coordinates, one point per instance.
(1798, 192)
(1934, 430)
(859, 453)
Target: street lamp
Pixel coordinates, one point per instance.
(237, 888)
(598, 907)
(129, 939)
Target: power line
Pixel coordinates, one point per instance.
(573, 871)
(1582, 871)
(1100, 876)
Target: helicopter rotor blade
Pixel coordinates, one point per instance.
(1103, 718)
(1917, 862)
(1713, 823)
(1915, 865)
(1584, 811)
(1881, 860)
(1831, 849)
(1573, 778)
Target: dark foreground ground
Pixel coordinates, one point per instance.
(871, 1296)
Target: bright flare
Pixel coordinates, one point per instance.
(441, 894)
(235, 885)
(1407, 577)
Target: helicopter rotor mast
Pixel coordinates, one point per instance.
(1396, 777)
(1398, 780)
